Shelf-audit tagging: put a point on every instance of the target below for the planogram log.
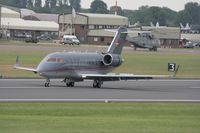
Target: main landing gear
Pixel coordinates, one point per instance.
(97, 84)
(69, 83)
(47, 84)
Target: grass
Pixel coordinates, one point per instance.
(135, 62)
(156, 63)
(99, 118)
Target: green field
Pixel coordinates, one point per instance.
(99, 118)
(139, 62)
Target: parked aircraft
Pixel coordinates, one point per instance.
(145, 40)
(157, 24)
(185, 29)
(75, 66)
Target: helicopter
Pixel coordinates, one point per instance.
(144, 40)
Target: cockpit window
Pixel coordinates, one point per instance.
(55, 60)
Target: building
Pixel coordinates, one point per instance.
(13, 26)
(169, 36)
(27, 14)
(90, 28)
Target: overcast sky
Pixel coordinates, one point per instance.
(176, 5)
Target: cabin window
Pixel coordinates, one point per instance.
(51, 60)
(60, 60)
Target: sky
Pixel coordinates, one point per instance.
(176, 5)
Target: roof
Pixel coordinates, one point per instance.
(195, 27)
(94, 19)
(192, 37)
(26, 13)
(109, 16)
(6, 12)
(20, 24)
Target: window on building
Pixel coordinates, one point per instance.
(95, 39)
(91, 26)
(102, 39)
(96, 27)
(82, 26)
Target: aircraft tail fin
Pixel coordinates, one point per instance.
(181, 25)
(151, 24)
(118, 41)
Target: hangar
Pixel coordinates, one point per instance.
(13, 26)
(89, 28)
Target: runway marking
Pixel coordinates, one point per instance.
(102, 100)
(21, 87)
(194, 87)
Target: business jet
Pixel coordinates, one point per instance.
(75, 66)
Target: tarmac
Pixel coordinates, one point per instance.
(33, 90)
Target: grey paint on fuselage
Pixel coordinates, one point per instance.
(73, 66)
(76, 66)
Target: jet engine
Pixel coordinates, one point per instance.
(112, 60)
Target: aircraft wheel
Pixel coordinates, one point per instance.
(47, 84)
(70, 84)
(97, 84)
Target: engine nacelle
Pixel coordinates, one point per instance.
(112, 60)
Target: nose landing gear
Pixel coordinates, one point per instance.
(47, 84)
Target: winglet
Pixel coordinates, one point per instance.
(17, 62)
(17, 66)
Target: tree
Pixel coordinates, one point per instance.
(53, 3)
(157, 15)
(118, 8)
(193, 8)
(65, 2)
(98, 6)
(38, 3)
(16, 3)
(47, 4)
(76, 4)
(29, 4)
(183, 17)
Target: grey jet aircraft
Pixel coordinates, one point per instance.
(75, 66)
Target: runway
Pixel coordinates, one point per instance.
(33, 90)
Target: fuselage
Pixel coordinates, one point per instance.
(72, 65)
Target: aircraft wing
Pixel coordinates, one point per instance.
(115, 77)
(17, 66)
(26, 69)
